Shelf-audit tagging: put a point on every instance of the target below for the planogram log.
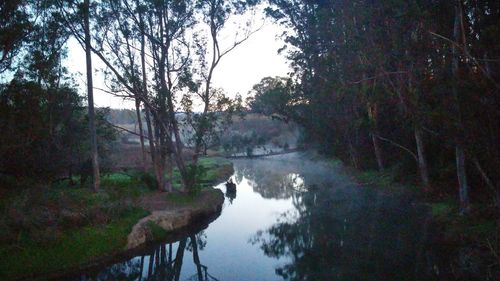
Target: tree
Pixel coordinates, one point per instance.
(15, 26)
(271, 96)
(90, 97)
(397, 73)
(46, 134)
(40, 104)
(126, 30)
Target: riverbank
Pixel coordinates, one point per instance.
(473, 239)
(59, 228)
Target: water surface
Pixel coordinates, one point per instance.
(293, 219)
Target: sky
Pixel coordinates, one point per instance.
(237, 72)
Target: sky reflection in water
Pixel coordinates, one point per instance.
(273, 228)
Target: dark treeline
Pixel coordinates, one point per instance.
(43, 121)
(407, 85)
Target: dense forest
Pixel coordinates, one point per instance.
(407, 86)
(410, 86)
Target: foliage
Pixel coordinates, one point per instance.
(15, 26)
(157, 232)
(163, 55)
(41, 114)
(271, 96)
(45, 131)
(394, 82)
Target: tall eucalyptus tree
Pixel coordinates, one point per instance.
(155, 52)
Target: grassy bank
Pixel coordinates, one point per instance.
(211, 171)
(54, 228)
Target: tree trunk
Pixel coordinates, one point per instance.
(161, 158)
(160, 177)
(141, 268)
(170, 172)
(141, 133)
(150, 264)
(170, 253)
(378, 152)
(462, 179)
(373, 113)
(178, 259)
(153, 149)
(422, 162)
(196, 257)
(459, 147)
(157, 260)
(90, 88)
(487, 180)
(353, 155)
(167, 110)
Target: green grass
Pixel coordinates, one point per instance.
(36, 239)
(181, 198)
(214, 169)
(27, 258)
(157, 232)
(442, 209)
(385, 181)
(376, 178)
(475, 226)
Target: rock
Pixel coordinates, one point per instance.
(207, 203)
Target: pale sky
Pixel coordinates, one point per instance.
(237, 72)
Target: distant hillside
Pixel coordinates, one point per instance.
(122, 116)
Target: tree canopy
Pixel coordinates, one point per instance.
(408, 82)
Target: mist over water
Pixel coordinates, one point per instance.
(293, 219)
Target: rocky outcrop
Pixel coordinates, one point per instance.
(207, 203)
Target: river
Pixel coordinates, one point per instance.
(293, 219)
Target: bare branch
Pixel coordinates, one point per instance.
(397, 145)
(127, 130)
(468, 55)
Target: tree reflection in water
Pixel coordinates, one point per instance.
(335, 235)
(279, 178)
(334, 229)
(231, 194)
(162, 263)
